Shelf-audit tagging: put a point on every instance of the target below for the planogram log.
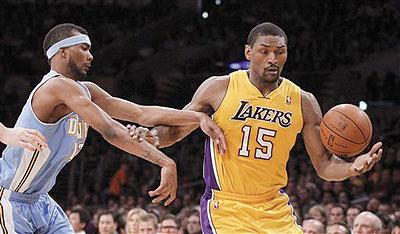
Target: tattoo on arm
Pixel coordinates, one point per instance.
(153, 158)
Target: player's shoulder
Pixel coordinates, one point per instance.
(214, 84)
(307, 97)
(218, 80)
(60, 84)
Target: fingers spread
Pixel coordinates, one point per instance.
(170, 199)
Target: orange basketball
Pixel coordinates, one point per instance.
(346, 130)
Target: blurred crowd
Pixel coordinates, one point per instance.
(157, 53)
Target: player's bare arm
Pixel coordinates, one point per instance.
(206, 99)
(29, 139)
(69, 96)
(144, 115)
(152, 115)
(329, 166)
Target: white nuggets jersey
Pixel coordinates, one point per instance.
(35, 172)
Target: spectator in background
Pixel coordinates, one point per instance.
(119, 180)
(313, 226)
(317, 212)
(351, 215)
(169, 224)
(337, 228)
(373, 205)
(107, 223)
(394, 227)
(336, 214)
(79, 218)
(132, 219)
(367, 223)
(148, 224)
(193, 223)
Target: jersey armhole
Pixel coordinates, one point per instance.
(225, 95)
(31, 98)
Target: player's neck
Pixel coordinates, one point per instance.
(63, 70)
(264, 87)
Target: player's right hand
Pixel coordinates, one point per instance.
(168, 185)
(27, 138)
(209, 127)
(142, 133)
(365, 162)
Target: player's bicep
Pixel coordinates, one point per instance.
(71, 94)
(116, 107)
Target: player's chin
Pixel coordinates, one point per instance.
(271, 78)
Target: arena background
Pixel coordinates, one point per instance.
(159, 51)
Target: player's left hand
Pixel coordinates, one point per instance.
(209, 127)
(365, 162)
(142, 133)
(168, 185)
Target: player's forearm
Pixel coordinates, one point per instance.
(334, 169)
(168, 135)
(157, 115)
(149, 115)
(120, 138)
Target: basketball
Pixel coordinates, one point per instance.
(346, 130)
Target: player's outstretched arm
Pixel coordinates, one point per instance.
(69, 93)
(153, 115)
(206, 99)
(329, 166)
(27, 138)
(187, 119)
(144, 115)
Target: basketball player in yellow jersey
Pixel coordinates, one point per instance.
(260, 113)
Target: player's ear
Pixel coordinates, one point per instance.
(247, 52)
(63, 53)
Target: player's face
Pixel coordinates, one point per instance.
(267, 57)
(79, 60)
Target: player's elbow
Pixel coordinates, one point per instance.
(110, 132)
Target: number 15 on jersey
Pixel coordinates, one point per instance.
(265, 149)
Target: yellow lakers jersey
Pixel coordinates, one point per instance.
(260, 133)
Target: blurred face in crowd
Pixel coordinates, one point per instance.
(351, 215)
(75, 221)
(373, 205)
(267, 57)
(395, 230)
(336, 215)
(316, 214)
(365, 224)
(193, 224)
(168, 226)
(107, 225)
(312, 226)
(132, 224)
(385, 209)
(336, 229)
(147, 227)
